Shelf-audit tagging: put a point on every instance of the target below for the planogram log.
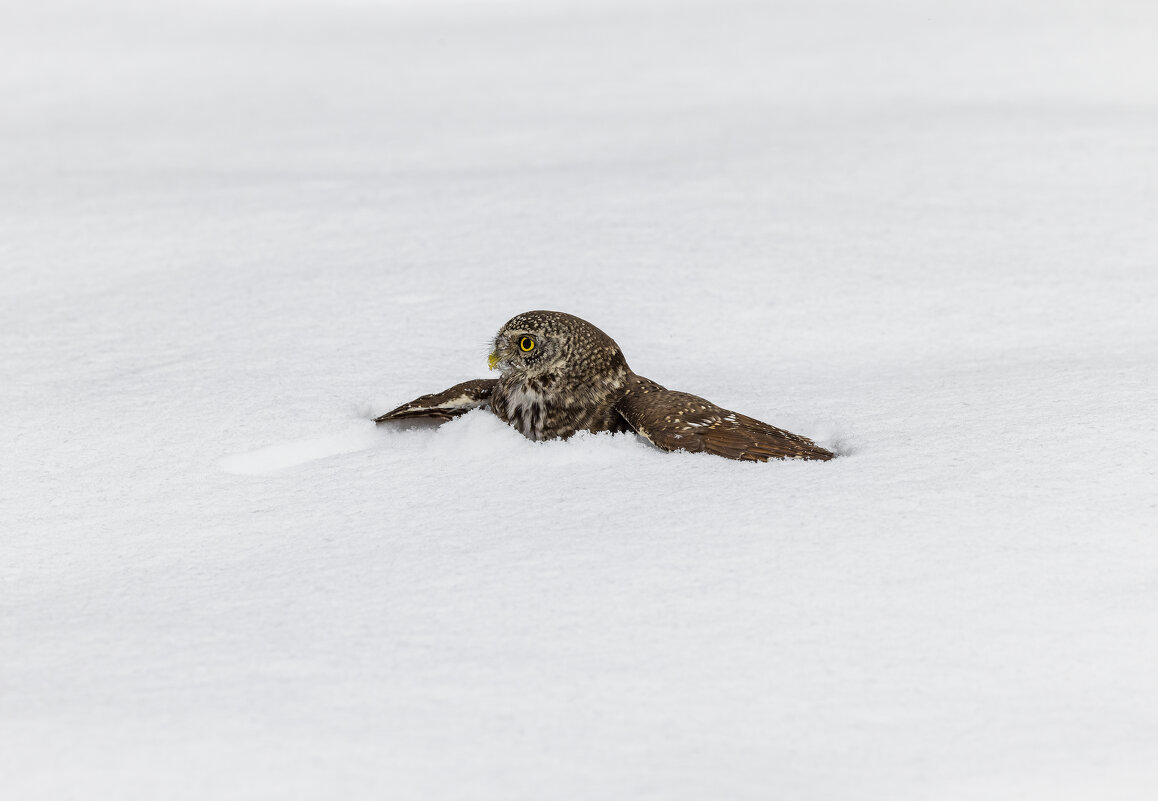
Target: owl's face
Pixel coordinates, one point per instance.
(523, 347)
(538, 342)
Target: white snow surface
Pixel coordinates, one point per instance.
(925, 235)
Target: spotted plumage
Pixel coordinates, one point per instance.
(560, 374)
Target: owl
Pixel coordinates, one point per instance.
(559, 374)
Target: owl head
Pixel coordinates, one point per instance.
(538, 342)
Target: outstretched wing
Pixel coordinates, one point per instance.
(459, 399)
(679, 421)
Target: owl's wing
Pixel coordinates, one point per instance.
(459, 399)
(678, 421)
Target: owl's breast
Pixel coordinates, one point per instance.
(545, 411)
(521, 406)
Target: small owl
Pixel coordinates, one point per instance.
(560, 374)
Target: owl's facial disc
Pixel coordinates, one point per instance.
(522, 351)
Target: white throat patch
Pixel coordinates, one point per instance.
(526, 411)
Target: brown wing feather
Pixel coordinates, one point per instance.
(680, 421)
(459, 399)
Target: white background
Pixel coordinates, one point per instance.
(923, 234)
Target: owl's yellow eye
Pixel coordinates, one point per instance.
(526, 344)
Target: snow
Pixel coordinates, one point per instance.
(231, 233)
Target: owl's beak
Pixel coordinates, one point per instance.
(493, 359)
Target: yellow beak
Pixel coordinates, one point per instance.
(493, 359)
